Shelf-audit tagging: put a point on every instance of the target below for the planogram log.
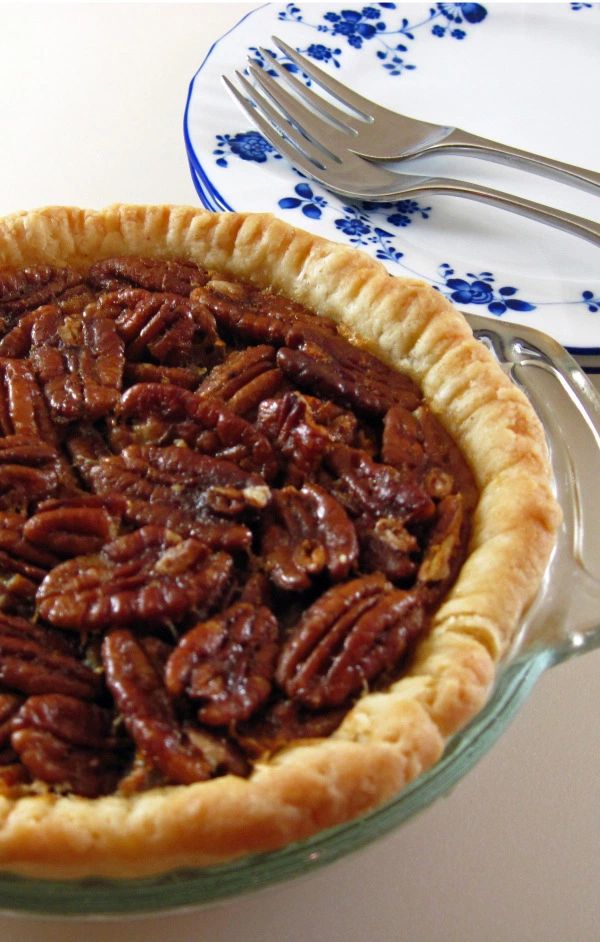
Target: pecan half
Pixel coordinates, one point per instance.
(73, 527)
(162, 327)
(367, 487)
(402, 441)
(28, 288)
(307, 532)
(176, 276)
(147, 711)
(157, 498)
(227, 663)
(354, 632)
(244, 379)
(258, 316)
(165, 414)
(23, 409)
(72, 303)
(17, 342)
(185, 505)
(79, 360)
(297, 437)
(35, 660)
(154, 414)
(22, 565)
(71, 719)
(149, 577)
(14, 543)
(17, 627)
(173, 475)
(330, 366)
(50, 759)
(66, 742)
(30, 471)
(230, 437)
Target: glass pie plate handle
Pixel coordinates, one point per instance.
(563, 622)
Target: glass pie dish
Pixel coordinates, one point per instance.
(562, 622)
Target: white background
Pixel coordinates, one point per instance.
(91, 106)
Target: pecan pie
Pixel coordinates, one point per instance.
(269, 518)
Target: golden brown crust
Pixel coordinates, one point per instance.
(388, 738)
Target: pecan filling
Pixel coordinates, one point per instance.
(221, 522)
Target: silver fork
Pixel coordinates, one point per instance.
(377, 133)
(319, 148)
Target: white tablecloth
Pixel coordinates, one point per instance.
(91, 104)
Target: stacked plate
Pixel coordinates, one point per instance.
(523, 74)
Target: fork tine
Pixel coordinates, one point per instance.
(343, 119)
(313, 148)
(286, 140)
(306, 121)
(362, 106)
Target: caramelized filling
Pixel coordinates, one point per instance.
(220, 524)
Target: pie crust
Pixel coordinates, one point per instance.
(388, 738)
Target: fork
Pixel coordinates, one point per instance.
(318, 148)
(377, 133)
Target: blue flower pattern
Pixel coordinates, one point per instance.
(355, 26)
(480, 289)
(389, 36)
(359, 231)
(248, 145)
(308, 202)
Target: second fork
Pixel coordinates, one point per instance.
(377, 133)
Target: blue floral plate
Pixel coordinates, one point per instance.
(526, 74)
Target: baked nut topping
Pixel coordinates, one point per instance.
(269, 518)
(227, 663)
(312, 445)
(347, 637)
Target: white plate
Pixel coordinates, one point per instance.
(526, 74)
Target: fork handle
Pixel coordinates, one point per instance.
(575, 225)
(461, 142)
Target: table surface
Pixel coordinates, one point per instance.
(91, 98)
